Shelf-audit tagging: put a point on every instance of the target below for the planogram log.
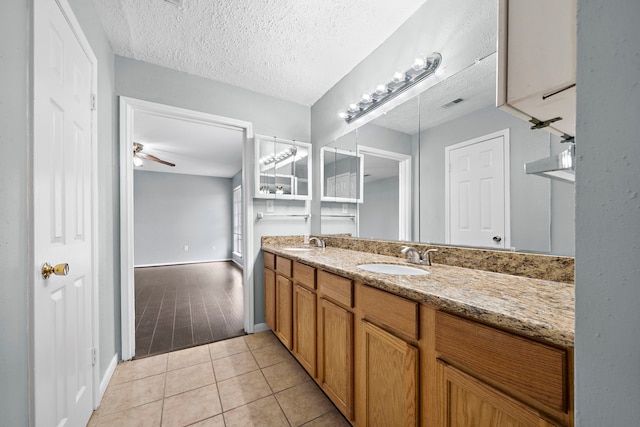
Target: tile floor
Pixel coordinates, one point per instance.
(246, 381)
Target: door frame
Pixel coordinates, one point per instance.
(75, 26)
(507, 182)
(405, 187)
(128, 106)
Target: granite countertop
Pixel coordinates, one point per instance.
(539, 309)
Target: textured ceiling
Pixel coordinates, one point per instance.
(291, 49)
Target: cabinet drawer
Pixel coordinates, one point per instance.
(336, 288)
(283, 266)
(534, 369)
(390, 311)
(304, 275)
(269, 260)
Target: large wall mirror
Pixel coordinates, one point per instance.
(442, 132)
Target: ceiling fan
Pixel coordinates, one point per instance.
(139, 155)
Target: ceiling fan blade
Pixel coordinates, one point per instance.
(155, 159)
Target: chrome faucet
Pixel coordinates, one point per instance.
(319, 242)
(413, 256)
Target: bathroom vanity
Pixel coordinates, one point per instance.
(455, 346)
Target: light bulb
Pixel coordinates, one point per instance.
(137, 161)
(366, 98)
(353, 107)
(398, 77)
(342, 114)
(418, 64)
(381, 89)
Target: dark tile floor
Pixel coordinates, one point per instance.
(180, 306)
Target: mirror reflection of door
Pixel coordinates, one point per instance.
(477, 192)
(385, 212)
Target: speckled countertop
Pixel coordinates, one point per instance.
(539, 309)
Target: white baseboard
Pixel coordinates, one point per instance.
(107, 376)
(181, 262)
(260, 327)
(237, 263)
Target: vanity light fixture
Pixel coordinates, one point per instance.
(280, 156)
(401, 81)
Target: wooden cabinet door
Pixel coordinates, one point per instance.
(270, 298)
(335, 355)
(390, 379)
(470, 403)
(304, 328)
(284, 310)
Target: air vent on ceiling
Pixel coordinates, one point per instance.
(452, 103)
(178, 3)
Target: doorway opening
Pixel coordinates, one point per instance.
(177, 227)
(387, 177)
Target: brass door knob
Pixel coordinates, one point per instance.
(58, 270)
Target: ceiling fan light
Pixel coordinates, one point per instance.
(137, 161)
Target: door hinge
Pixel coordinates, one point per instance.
(94, 356)
(93, 102)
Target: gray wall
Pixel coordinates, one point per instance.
(173, 210)
(378, 217)
(531, 196)
(270, 116)
(15, 203)
(14, 214)
(608, 214)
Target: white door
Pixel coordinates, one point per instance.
(62, 311)
(477, 192)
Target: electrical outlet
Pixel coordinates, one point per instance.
(270, 207)
(186, 248)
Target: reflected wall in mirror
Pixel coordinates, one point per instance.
(283, 168)
(539, 212)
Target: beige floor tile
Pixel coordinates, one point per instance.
(303, 403)
(232, 366)
(271, 354)
(330, 419)
(260, 339)
(243, 389)
(148, 415)
(285, 374)
(93, 421)
(262, 412)
(217, 421)
(141, 368)
(188, 357)
(226, 348)
(190, 407)
(189, 378)
(132, 393)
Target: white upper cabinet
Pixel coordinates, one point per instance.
(537, 62)
(283, 168)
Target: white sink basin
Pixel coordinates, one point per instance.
(300, 249)
(393, 269)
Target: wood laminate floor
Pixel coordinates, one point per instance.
(180, 306)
